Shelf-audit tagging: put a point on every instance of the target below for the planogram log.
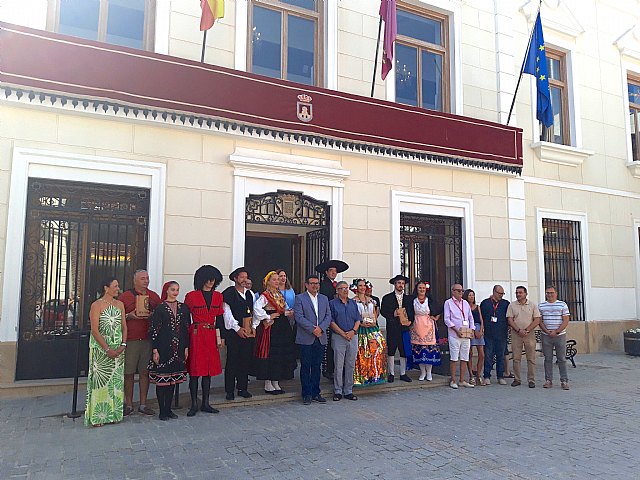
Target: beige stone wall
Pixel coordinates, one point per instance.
(185, 37)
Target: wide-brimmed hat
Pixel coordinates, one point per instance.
(399, 277)
(339, 265)
(236, 272)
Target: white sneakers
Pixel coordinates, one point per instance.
(429, 377)
(486, 381)
(453, 385)
(502, 381)
(467, 384)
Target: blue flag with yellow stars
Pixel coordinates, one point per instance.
(536, 65)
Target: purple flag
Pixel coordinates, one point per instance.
(388, 14)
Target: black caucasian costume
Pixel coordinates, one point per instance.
(239, 350)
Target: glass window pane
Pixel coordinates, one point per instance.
(553, 65)
(300, 50)
(634, 93)
(431, 80)
(556, 105)
(406, 75)
(125, 23)
(79, 18)
(420, 28)
(308, 4)
(266, 42)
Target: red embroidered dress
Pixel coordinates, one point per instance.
(204, 358)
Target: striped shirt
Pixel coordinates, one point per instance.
(552, 314)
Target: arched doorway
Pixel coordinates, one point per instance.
(285, 229)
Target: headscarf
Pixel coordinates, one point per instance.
(273, 294)
(165, 288)
(265, 281)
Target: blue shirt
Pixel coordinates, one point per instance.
(289, 297)
(345, 315)
(489, 309)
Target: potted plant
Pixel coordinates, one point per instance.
(443, 368)
(632, 342)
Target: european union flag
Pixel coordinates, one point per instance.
(536, 65)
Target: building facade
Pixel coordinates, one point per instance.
(120, 150)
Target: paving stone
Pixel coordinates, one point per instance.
(484, 433)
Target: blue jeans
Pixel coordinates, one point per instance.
(494, 346)
(310, 362)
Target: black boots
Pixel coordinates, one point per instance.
(193, 389)
(206, 386)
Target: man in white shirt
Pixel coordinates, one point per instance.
(238, 305)
(555, 319)
(457, 316)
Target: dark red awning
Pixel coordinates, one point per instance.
(45, 62)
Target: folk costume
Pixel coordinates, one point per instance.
(398, 337)
(204, 358)
(371, 362)
(238, 305)
(274, 352)
(328, 289)
(169, 332)
(424, 338)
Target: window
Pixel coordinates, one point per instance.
(285, 39)
(562, 244)
(422, 77)
(559, 132)
(129, 23)
(431, 250)
(76, 235)
(634, 114)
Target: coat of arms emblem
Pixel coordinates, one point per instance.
(304, 108)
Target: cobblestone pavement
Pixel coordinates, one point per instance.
(489, 432)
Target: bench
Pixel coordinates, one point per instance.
(570, 353)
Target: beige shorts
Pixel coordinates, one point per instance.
(137, 356)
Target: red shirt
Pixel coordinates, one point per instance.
(138, 328)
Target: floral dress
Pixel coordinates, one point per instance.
(105, 380)
(371, 361)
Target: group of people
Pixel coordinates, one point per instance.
(167, 341)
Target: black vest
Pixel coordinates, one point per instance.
(240, 307)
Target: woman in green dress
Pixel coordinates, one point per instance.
(105, 381)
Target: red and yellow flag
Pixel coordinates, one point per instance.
(211, 11)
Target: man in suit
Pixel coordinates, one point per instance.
(395, 330)
(312, 315)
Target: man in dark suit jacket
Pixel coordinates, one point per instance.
(313, 316)
(389, 310)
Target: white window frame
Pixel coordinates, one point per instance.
(628, 68)
(581, 218)
(257, 172)
(425, 204)
(453, 10)
(330, 41)
(57, 165)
